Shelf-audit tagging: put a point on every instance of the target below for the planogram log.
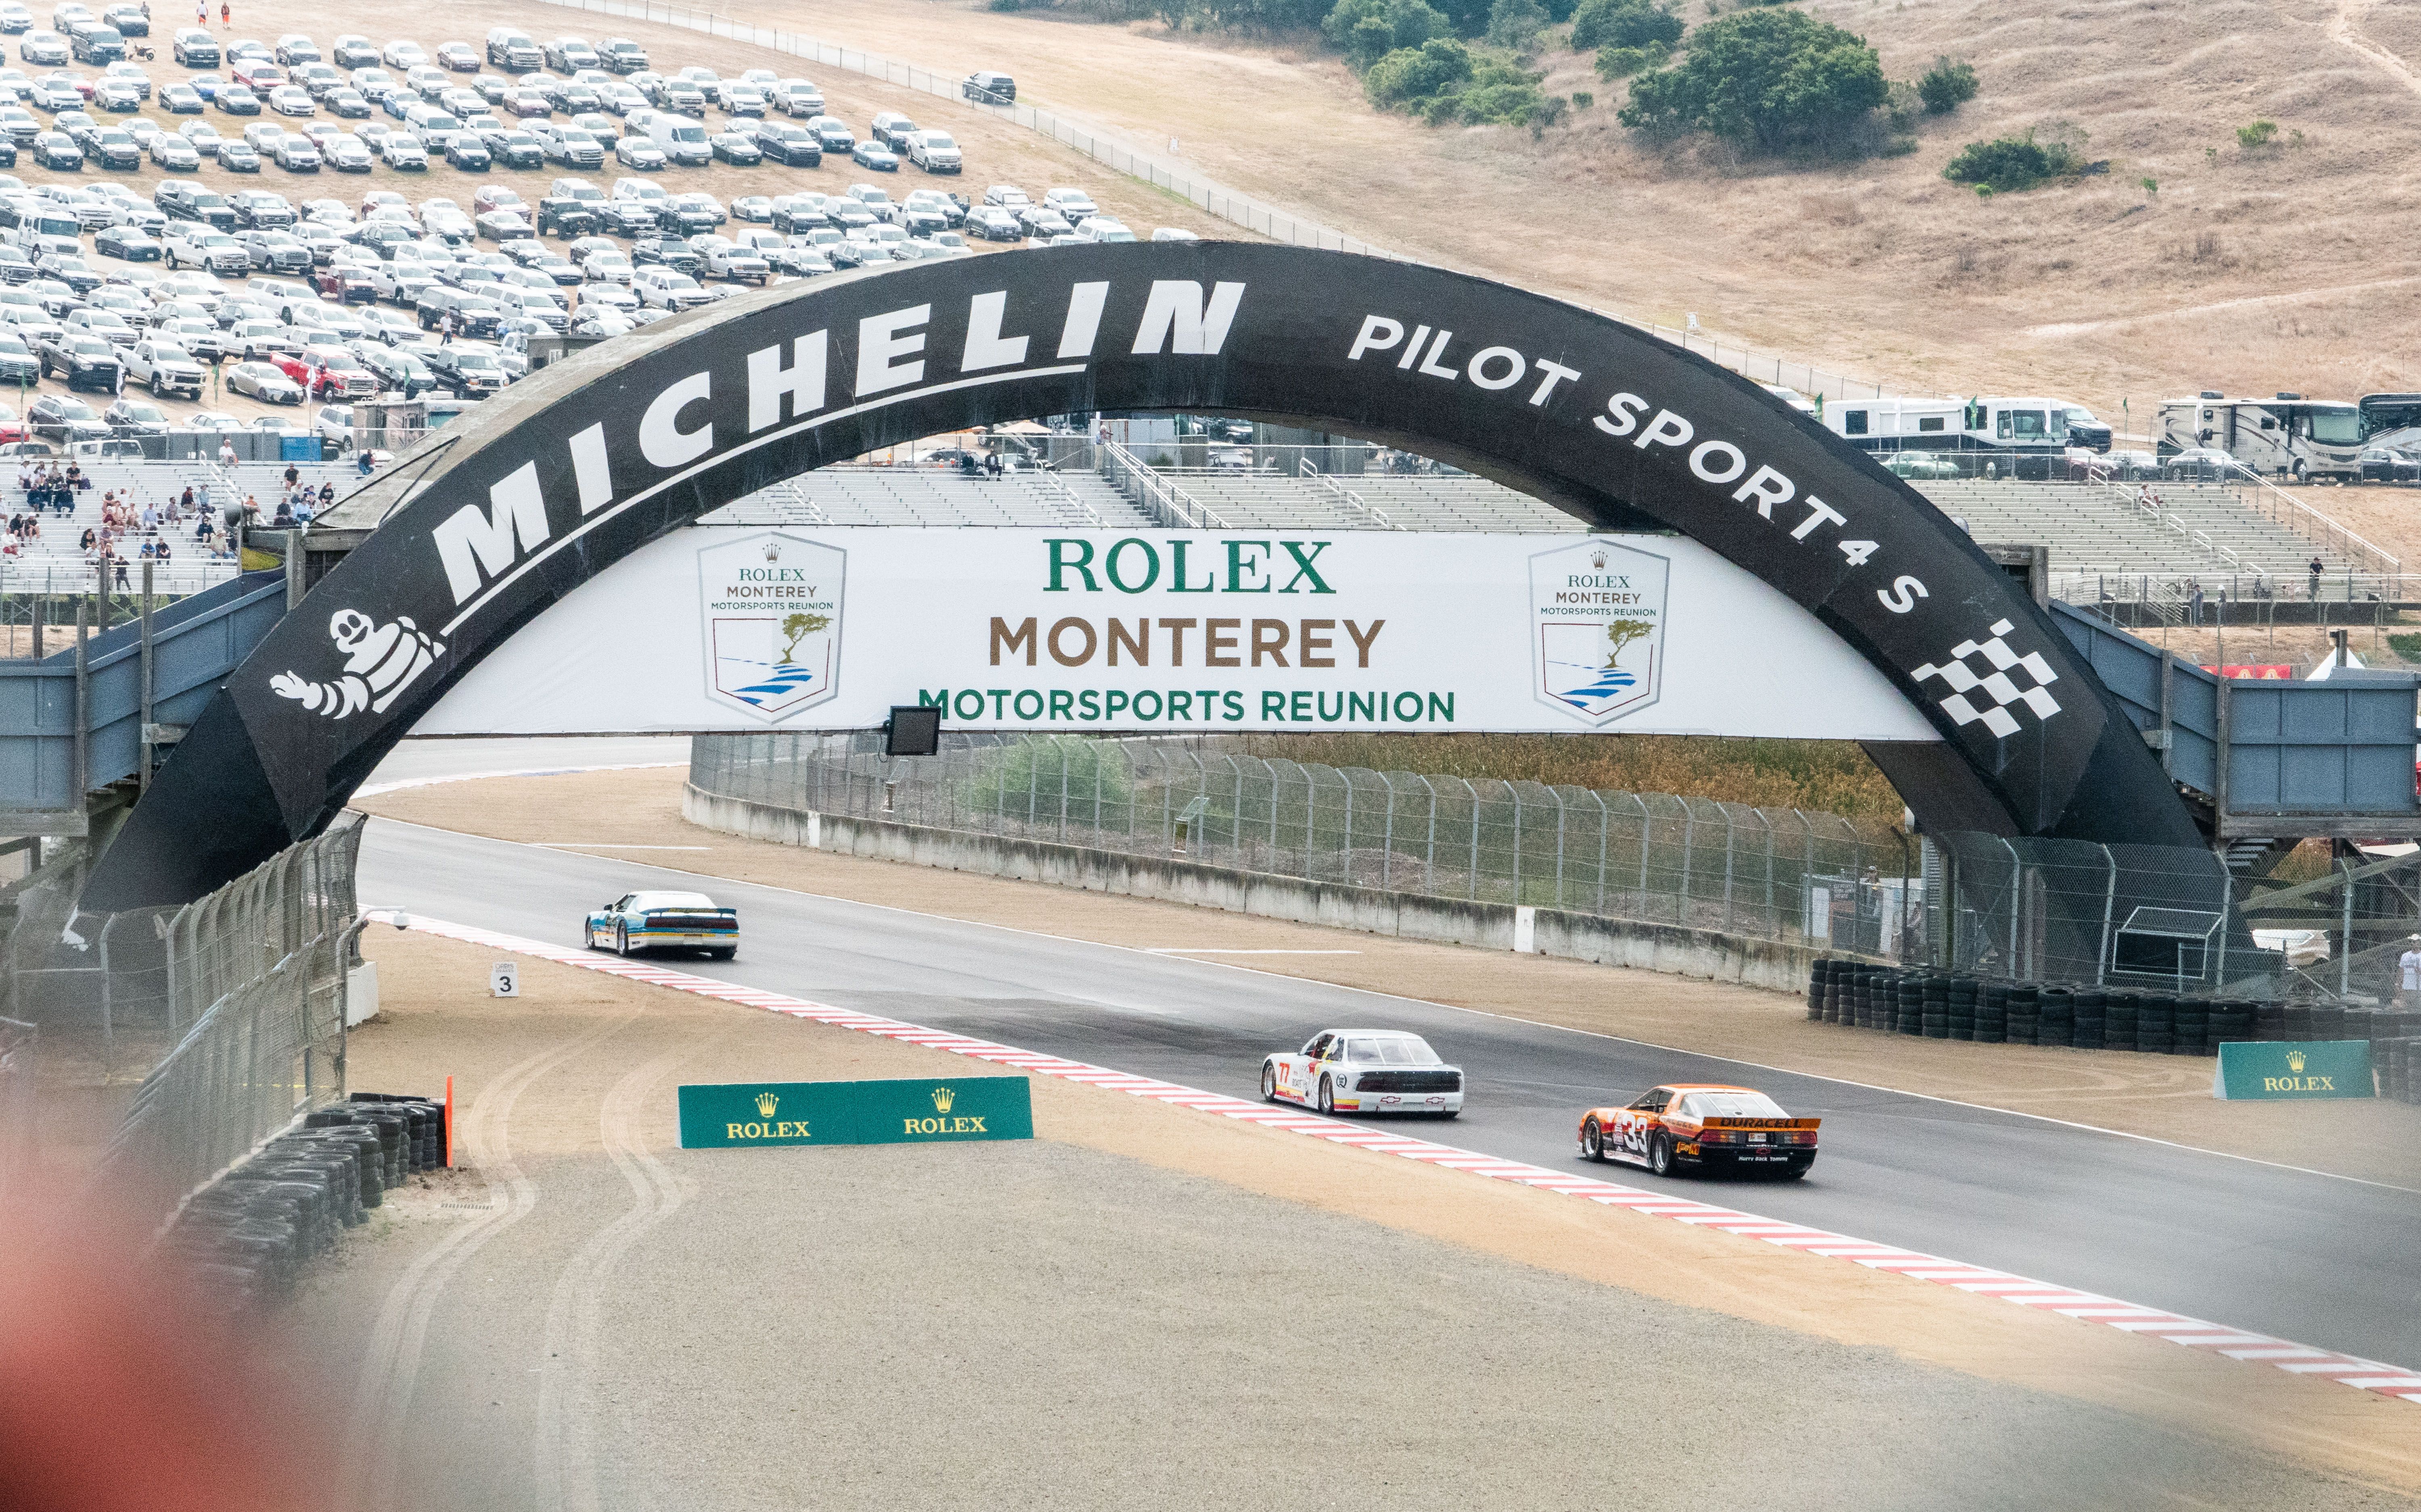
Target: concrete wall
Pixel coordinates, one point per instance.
(1681, 952)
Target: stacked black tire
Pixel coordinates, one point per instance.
(248, 1235)
(1939, 1007)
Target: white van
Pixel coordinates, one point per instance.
(682, 139)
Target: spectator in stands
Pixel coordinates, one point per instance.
(121, 573)
(186, 501)
(203, 529)
(2194, 604)
(362, 460)
(251, 510)
(91, 538)
(227, 452)
(293, 475)
(162, 555)
(146, 551)
(991, 464)
(77, 478)
(284, 518)
(327, 492)
(202, 499)
(2316, 580)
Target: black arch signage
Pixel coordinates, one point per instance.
(583, 463)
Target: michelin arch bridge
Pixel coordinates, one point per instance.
(489, 526)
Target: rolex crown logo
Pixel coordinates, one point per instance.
(943, 1097)
(2295, 1061)
(766, 1103)
(773, 550)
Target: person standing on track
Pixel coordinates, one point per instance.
(226, 17)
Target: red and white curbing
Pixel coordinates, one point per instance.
(2348, 1370)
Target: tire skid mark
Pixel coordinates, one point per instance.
(2151, 1322)
(565, 1448)
(390, 1369)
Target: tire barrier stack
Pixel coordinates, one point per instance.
(1940, 1005)
(248, 1235)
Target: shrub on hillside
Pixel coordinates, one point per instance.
(1946, 86)
(1623, 62)
(2258, 136)
(1442, 81)
(2011, 163)
(1769, 80)
(1515, 25)
(1242, 15)
(1635, 23)
(1367, 30)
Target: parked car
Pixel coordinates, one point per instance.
(82, 362)
(263, 380)
(2386, 464)
(988, 88)
(935, 152)
(1920, 464)
(2205, 464)
(872, 155)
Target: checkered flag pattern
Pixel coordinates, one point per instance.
(2001, 689)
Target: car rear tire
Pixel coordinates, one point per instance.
(1592, 1142)
(1269, 1084)
(1660, 1155)
(726, 952)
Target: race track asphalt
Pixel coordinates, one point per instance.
(2321, 1261)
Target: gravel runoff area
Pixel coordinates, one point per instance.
(2156, 1097)
(1148, 1306)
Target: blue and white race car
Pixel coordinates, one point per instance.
(1366, 1071)
(648, 921)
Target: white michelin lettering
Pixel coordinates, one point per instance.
(1666, 430)
(380, 661)
(770, 382)
(662, 441)
(1902, 595)
(986, 347)
(1717, 472)
(1818, 513)
(1478, 368)
(882, 339)
(1429, 364)
(591, 474)
(1084, 322)
(1767, 488)
(1621, 416)
(1551, 374)
(1177, 316)
(473, 545)
(1378, 333)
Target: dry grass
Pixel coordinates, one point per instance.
(2282, 268)
(1830, 776)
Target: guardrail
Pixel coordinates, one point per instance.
(1154, 491)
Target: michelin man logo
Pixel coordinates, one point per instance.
(2004, 689)
(380, 661)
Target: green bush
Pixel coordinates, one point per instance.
(1623, 62)
(1442, 81)
(1769, 80)
(1367, 30)
(1601, 23)
(1947, 85)
(1515, 25)
(1582, 100)
(2011, 163)
(2256, 135)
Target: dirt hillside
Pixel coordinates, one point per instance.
(2280, 268)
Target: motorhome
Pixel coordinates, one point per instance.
(2285, 434)
(1993, 425)
(2391, 420)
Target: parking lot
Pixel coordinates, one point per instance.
(368, 266)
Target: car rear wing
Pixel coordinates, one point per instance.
(1760, 1122)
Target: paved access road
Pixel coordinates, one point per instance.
(2317, 1259)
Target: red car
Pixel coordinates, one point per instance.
(329, 372)
(1702, 1126)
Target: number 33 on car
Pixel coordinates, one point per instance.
(1697, 1127)
(1364, 1070)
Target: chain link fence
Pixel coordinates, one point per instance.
(249, 982)
(18, 1043)
(1767, 874)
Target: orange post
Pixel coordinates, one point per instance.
(449, 1123)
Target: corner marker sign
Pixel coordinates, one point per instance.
(917, 1111)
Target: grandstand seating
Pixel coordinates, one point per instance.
(934, 496)
(2095, 527)
(55, 561)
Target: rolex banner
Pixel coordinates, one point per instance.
(808, 628)
(855, 1113)
(2274, 1069)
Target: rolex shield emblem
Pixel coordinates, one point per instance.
(1596, 629)
(772, 603)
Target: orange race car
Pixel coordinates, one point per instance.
(1702, 1126)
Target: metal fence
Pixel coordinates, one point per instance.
(18, 1043)
(250, 981)
(1771, 874)
(2073, 912)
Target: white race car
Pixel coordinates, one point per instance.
(1366, 1071)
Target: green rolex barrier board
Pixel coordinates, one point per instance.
(855, 1112)
(2274, 1070)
